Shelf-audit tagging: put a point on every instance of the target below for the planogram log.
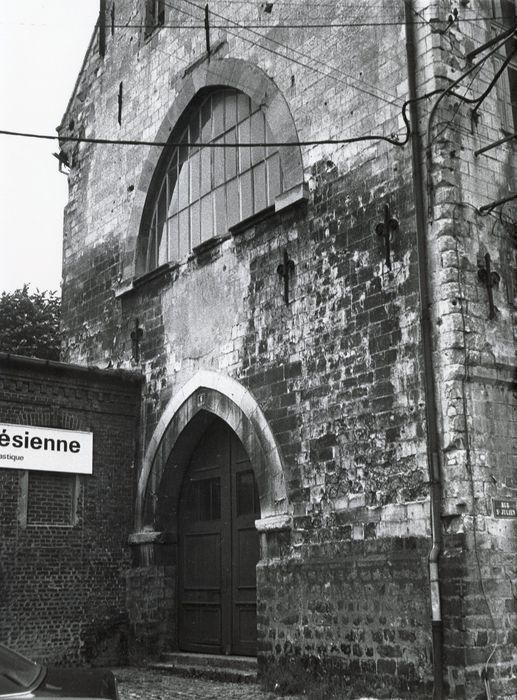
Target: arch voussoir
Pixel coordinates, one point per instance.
(224, 397)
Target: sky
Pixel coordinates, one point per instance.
(42, 46)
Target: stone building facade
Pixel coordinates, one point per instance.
(323, 316)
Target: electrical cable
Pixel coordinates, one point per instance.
(279, 25)
(137, 142)
(333, 25)
(449, 123)
(370, 137)
(393, 101)
(449, 91)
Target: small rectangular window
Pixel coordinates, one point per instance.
(194, 176)
(220, 211)
(512, 81)
(244, 151)
(161, 226)
(274, 182)
(154, 15)
(206, 178)
(195, 230)
(207, 218)
(257, 136)
(270, 139)
(232, 203)
(218, 157)
(204, 499)
(174, 248)
(506, 86)
(206, 122)
(151, 247)
(217, 114)
(230, 156)
(194, 131)
(50, 499)
(246, 195)
(172, 176)
(163, 245)
(184, 233)
(259, 187)
(230, 111)
(183, 187)
(243, 106)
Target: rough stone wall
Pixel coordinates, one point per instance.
(475, 354)
(63, 537)
(337, 371)
(350, 608)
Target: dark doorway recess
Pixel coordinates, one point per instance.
(218, 547)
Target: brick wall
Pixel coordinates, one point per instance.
(64, 549)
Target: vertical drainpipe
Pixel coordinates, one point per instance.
(433, 445)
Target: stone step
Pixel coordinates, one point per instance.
(235, 669)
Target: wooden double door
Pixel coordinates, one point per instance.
(218, 547)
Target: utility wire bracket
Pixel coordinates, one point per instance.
(451, 19)
(489, 44)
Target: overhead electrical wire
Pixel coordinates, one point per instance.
(271, 25)
(171, 144)
(279, 25)
(305, 25)
(449, 90)
(393, 140)
(313, 142)
(394, 101)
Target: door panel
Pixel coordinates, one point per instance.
(245, 555)
(219, 547)
(201, 627)
(247, 551)
(202, 562)
(246, 628)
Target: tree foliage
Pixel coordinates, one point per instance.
(29, 323)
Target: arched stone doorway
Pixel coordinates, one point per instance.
(218, 547)
(211, 430)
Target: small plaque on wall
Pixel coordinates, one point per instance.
(504, 509)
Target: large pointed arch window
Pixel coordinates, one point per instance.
(201, 192)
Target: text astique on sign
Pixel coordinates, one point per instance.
(45, 449)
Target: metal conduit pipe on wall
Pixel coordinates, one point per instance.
(433, 445)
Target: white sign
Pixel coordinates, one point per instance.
(45, 449)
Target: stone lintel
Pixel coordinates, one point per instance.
(151, 537)
(274, 523)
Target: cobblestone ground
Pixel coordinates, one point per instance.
(143, 684)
